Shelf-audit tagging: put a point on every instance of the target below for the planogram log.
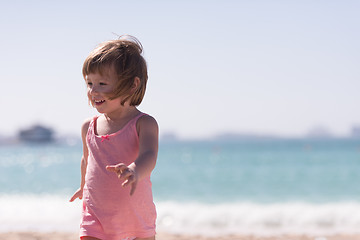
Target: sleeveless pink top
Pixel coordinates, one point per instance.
(109, 212)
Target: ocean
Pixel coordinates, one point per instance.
(257, 187)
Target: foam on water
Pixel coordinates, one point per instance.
(55, 213)
(260, 219)
(38, 213)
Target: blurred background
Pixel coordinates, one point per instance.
(257, 103)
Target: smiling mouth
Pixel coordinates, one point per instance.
(99, 102)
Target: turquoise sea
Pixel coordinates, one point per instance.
(257, 186)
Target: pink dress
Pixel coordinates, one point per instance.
(109, 212)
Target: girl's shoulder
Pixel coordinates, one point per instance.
(146, 123)
(85, 125)
(145, 118)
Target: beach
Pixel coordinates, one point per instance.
(165, 236)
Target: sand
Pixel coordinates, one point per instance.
(164, 236)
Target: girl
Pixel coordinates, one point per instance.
(119, 146)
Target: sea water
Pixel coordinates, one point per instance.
(258, 186)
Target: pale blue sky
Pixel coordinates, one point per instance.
(269, 67)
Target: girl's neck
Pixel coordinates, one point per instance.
(122, 113)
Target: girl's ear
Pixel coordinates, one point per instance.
(135, 85)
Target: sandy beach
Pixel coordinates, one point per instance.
(164, 236)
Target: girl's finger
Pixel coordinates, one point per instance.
(133, 187)
(126, 174)
(128, 181)
(120, 167)
(116, 168)
(111, 168)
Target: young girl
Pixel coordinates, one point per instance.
(119, 146)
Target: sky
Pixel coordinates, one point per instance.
(263, 67)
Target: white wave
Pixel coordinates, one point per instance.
(259, 219)
(39, 213)
(55, 213)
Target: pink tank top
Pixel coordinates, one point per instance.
(108, 207)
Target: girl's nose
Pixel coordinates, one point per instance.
(93, 91)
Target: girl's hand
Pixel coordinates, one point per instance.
(77, 194)
(127, 173)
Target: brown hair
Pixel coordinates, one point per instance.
(124, 55)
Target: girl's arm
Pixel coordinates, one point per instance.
(83, 164)
(148, 131)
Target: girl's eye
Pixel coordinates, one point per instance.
(102, 84)
(89, 84)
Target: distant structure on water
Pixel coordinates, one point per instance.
(36, 134)
(319, 132)
(168, 137)
(355, 132)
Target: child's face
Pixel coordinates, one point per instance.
(98, 89)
